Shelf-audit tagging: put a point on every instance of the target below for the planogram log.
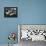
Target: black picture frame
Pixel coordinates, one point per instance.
(10, 12)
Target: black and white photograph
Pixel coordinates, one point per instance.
(10, 12)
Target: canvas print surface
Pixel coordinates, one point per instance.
(33, 32)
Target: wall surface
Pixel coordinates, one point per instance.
(33, 11)
(29, 12)
(7, 25)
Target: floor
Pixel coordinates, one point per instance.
(30, 43)
(7, 45)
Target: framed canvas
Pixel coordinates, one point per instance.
(32, 32)
(10, 12)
